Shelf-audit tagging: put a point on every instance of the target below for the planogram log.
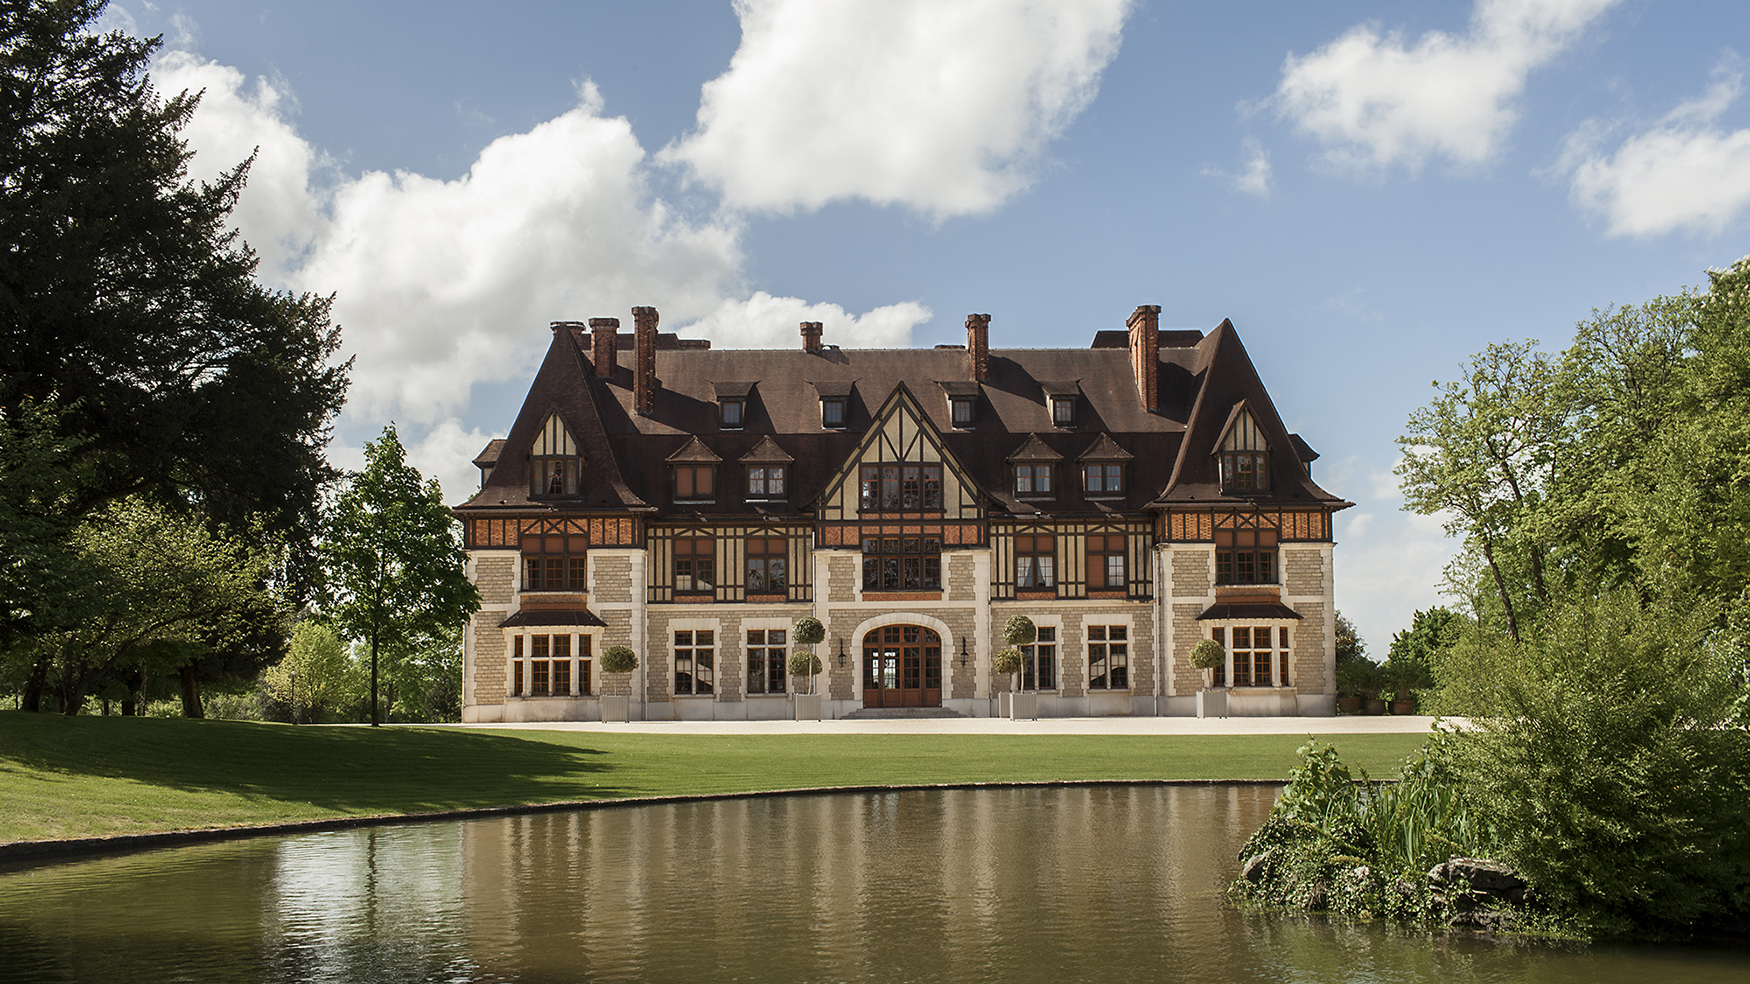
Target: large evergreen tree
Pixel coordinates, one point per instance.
(128, 305)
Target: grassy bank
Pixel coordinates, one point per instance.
(94, 776)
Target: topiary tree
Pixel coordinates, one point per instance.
(806, 632)
(1006, 660)
(619, 659)
(1019, 630)
(1208, 655)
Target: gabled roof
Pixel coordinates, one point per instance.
(1033, 449)
(899, 401)
(1105, 449)
(1227, 385)
(960, 387)
(488, 456)
(694, 452)
(732, 390)
(767, 452)
(562, 385)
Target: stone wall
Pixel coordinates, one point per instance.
(961, 582)
(492, 575)
(1187, 679)
(1309, 649)
(490, 663)
(613, 580)
(842, 577)
(1304, 570)
(1191, 573)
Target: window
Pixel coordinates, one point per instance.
(1219, 674)
(1035, 562)
(963, 411)
(1254, 656)
(766, 567)
(1033, 480)
(893, 563)
(1063, 411)
(731, 411)
(1243, 471)
(1108, 657)
(1106, 563)
(541, 666)
(832, 412)
(766, 667)
(1039, 661)
(891, 488)
(695, 662)
(765, 482)
(695, 565)
(1245, 556)
(554, 461)
(555, 563)
(694, 482)
(1098, 480)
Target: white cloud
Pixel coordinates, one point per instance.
(1388, 567)
(1685, 173)
(764, 321)
(1254, 177)
(941, 105)
(1376, 101)
(443, 284)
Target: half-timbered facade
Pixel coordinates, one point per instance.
(691, 503)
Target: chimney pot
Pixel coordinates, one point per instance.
(605, 345)
(811, 331)
(644, 382)
(978, 346)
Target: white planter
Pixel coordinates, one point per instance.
(807, 706)
(617, 707)
(1023, 707)
(1212, 703)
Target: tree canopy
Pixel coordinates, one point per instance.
(392, 559)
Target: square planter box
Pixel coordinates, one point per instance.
(617, 707)
(1212, 703)
(1023, 707)
(807, 706)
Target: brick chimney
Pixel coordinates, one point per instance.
(978, 345)
(644, 321)
(605, 350)
(1145, 353)
(811, 337)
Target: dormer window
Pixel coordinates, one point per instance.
(765, 482)
(555, 463)
(1063, 411)
(832, 412)
(732, 411)
(1244, 456)
(1033, 480)
(732, 404)
(695, 472)
(963, 411)
(1103, 465)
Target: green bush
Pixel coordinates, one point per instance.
(1006, 660)
(807, 631)
(619, 659)
(1019, 631)
(804, 663)
(1208, 654)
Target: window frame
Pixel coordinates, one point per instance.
(890, 487)
(769, 475)
(693, 471)
(843, 406)
(569, 563)
(1032, 473)
(765, 557)
(1114, 553)
(1111, 479)
(1063, 410)
(767, 661)
(692, 557)
(1036, 562)
(699, 644)
(902, 563)
(547, 468)
(1039, 660)
(962, 411)
(1276, 659)
(1253, 562)
(1245, 472)
(732, 407)
(561, 664)
(1113, 650)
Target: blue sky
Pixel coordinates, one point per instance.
(1371, 191)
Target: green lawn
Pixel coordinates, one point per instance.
(92, 776)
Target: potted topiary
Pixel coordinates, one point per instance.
(1007, 661)
(1208, 655)
(1353, 676)
(1373, 680)
(1019, 631)
(617, 661)
(806, 633)
(1404, 678)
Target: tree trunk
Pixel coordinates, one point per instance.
(191, 694)
(1501, 586)
(135, 682)
(374, 722)
(35, 685)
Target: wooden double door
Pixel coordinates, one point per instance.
(902, 667)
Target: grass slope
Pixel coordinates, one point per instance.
(93, 776)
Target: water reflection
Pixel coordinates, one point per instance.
(1104, 883)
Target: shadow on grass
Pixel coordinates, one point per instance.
(346, 769)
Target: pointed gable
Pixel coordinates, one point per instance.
(694, 452)
(1034, 449)
(1105, 449)
(766, 452)
(900, 435)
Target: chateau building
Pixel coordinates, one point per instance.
(692, 503)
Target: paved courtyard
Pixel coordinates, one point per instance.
(1345, 724)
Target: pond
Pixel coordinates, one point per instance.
(1109, 883)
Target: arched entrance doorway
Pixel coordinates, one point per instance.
(902, 667)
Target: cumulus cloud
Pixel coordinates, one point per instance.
(764, 321)
(1378, 101)
(940, 105)
(1254, 177)
(1686, 173)
(443, 284)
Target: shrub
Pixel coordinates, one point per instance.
(807, 631)
(619, 659)
(1019, 631)
(1208, 654)
(1006, 660)
(804, 663)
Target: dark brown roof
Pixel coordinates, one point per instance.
(489, 457)
(628, 466)
(538, 616)
(767, 452)
(1247, 610)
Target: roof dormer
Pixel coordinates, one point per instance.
(555, 461)
(1245, 455)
